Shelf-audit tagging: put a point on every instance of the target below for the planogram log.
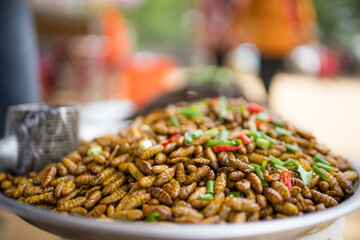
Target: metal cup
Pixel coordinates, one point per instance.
(40, 134)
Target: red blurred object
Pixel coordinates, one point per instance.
(285, 179)
(226, 148)
(254, 108)
(329, 63)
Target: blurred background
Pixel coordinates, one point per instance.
(299, 57)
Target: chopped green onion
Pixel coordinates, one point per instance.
(94, 150)
(222, 113)
(214, 142)
(230, 108)
(283, 131)
(191, 111)
(198, 133)
(155, 216)
(319, 159)
(261, 176)
(237, 142)
(145, 145)
(242, 109)
(252, 168)
(279, 123)
(271, 140)
(210, 187)
(207, 196)
(320, 173)
(189, 139)
(278, 167)
(255, 165)
(224, 134)
(235, 194)
(223, 101)
(252, 126)
(174, 121)
(296, 163)
(292, 148)
(262, 116)
(262, 143)
(289, 163)
(211, 132)
(263, 165)
(275, 160)
(305, 175)
(324, 166)
(145, 127)
(255, 134)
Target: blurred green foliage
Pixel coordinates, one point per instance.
(159, 25)
(339, 21)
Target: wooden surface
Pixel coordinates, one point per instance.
(330, 109)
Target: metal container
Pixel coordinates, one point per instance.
(72, 227)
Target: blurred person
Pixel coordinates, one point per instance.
(18, 59)
(275, 27)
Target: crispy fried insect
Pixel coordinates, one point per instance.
(99, 158)
(68, 188)
(161, 195)
(255, 182)
(129, 215)
(214, 206)
(152, 151)
(159, 168)
(58, 189)
(69, 164)
(273, 196)
(19, 191)
(238, 217)
(297, 182)
(112, 178)
(92, 199)
(160, 158)
(115, 162)
(200, 161)
(319, 197)
(110, 211)
(243, 185)
(257, 158)
(113, 186)
(79, 211)
(181, 211)
(70, 204)
(164, 177)
(333, 184)
(323, 186)
(31, 190)
(153, 201)
(251, 195)
(164, 211)
(295, 191)
(191, 168)
(92, 190)
(242, 204)
(178, 159)
(180, 172)
(136, 201)
(186, 219)
(97, 211)
(209, 153)
(187, 190)
(236, 176)
(183, 151)
(2, 176)
(250, 147)
(223, 159)
(201, 140)
(83, 179)
(113, 197)
(320, 207)
(238, 164)
(175, 188)
(220, 183)
(282, 189)
(272, 151)
(195, 200)
(144, 166)
(345, 184)
(170, 148)
(101, 177)
(267, 211)
(6, 184)
(61, 169)
(261, 200)
(147, 181)
(56, 181)
(96, 168)
(213, 220)
(352, 175)
(224, 212)
(286, 208)
(196, 176)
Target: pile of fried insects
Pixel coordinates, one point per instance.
(213, 161)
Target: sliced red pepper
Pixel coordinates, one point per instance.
(175, 137)
(165, 142)
(244, 138)
(254, 108)
(285, 179)
(226, 148)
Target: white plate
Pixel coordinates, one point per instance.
(83, 228)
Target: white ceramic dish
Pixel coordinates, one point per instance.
(71, 227)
